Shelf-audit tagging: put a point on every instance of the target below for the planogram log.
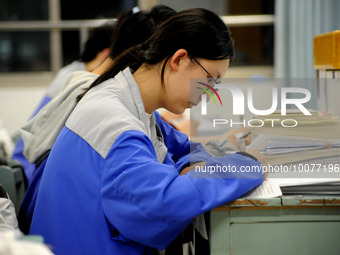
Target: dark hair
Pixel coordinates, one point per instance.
(132, 29)
(99, 38)
(199, 31)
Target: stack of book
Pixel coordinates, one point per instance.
(301, 165)
(302, 160)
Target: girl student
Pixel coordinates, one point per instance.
(112, 182)
(40, 133)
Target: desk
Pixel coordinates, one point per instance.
(286, 225)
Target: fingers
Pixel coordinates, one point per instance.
(232, 139)
(249, 139)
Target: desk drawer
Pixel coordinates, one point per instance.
(269, 231)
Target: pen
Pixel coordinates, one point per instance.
(241, 140)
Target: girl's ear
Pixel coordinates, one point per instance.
(176, 59)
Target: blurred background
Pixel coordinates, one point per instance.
(273, 39)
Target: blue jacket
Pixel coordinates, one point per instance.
(29, 168)
(40, 133)
(111, 183)
(53, 89)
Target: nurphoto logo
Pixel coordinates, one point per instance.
(302, 96)
(204, 96)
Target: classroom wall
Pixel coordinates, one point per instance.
(19, 95)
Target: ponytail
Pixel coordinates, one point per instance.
(199, 31)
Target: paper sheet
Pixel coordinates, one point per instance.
(267, 189)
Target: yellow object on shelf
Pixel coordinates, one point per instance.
(327, 51)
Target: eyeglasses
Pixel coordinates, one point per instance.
(211, 77)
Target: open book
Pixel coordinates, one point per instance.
(267, 189)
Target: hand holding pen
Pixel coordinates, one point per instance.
(241, 140)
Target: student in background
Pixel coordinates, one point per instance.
(96, 50)
(40, 132)
(112, 182)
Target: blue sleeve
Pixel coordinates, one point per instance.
(18, 153)
(178, 144)
(153, 200)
